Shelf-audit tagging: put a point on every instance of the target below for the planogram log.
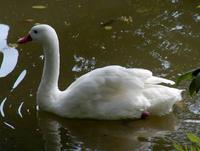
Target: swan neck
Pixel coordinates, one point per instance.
(51, 68)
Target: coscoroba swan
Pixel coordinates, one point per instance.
(111, 92)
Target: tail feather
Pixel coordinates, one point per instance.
(158, 80)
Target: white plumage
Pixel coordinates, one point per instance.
(111, 92)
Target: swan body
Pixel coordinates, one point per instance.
(111, 92)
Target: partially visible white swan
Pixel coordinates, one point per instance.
(110, 93)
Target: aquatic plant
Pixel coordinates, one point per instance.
(194, 76)
(195, 144)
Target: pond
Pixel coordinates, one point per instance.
(159, 35)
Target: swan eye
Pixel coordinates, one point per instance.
(35, 31)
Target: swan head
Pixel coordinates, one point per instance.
(42, 33)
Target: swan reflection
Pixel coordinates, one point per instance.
(74, 134)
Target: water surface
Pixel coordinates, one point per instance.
(160, 35)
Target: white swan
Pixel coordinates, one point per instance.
(111, 92)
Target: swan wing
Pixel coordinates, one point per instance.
(117, 77)
(112, 78)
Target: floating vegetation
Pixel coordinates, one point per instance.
(108, 27)
(127, 19)
(39, 7)
(108, 24)
(13, 45)
(67, 23)
(29, 20)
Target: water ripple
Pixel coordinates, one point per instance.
(83, 64)
(176, 14)
(9, 125)
(196, 17)
(19, 79)
(164, 62)
(164, 36)
(195, 108)
(177, 27)
(174, 1)
(2, 106)
(19, 109)
(192, 121)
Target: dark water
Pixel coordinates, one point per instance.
(160, 35)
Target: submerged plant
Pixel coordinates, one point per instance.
(195, 146)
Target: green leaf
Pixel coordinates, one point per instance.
(189, 75)
(178, 147)
(185, 76)
(186, 148)
(195, 146)
(193, 138)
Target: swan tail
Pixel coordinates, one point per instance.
(158, 80)
(162, 99)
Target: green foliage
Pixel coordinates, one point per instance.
(184, 76)
(194, 76)
(195, 140)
